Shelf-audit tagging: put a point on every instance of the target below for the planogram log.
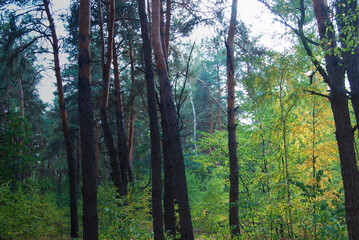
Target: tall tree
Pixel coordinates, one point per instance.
(334, 77)
(171, 135)
(157, 211)
(89, 178)
(65, 125)
(120, 183)
(232, 141)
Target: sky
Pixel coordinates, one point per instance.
(251, 12)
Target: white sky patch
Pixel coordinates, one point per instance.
(47, 86)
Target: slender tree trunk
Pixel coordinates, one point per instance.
(22, 112)
(284, 136)
(89, 186)
(167, 27)
(132, 112)
(157, 212)
(194, 123)
(344, 132)
(211, 122)
(105, 122)
(314, 167)
(65, 126)
(77, 162)
(96, 144)
(219, 100)
(171, 136)
(123, 152)
(21, 97)
(232, 142)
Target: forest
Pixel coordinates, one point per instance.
(173, 120)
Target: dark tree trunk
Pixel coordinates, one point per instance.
(219, 100)
(123, 153)
(65, 126)
(171, 136)
(167, 27)
(339, 104)
(232, 141)
(105, 122)
(169, 180)
(157, 212)
(89, 186)
(132, 112)
(169, 184)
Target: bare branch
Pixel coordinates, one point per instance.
(315, 93)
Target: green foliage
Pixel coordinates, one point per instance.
(17, 158)
(30, 212)
(208, 200)
(124, 218)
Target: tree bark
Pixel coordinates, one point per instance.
(65, 126)
(105, 122)
(89, 186)
(339, 104)
(232, 142)
(157, 212)
(171, 136)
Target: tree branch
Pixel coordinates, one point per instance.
(209, 93)
(315, 93)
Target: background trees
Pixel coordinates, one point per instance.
(289, 176)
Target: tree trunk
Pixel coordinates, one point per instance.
(168, 165)
(89, 186)
(286, 173)
(344, 132)
(169, 183)
(96, 144)
(105, 122)
(157, 212)
(132, 112)
(123, 154)
(219, 100)
(232, 142)
(211, 123)
(314, 157)
(167, 27)
(194, 123)
(171, 136)
(65, 126)
(21, 98)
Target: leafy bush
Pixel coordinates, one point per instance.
(28, 213)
